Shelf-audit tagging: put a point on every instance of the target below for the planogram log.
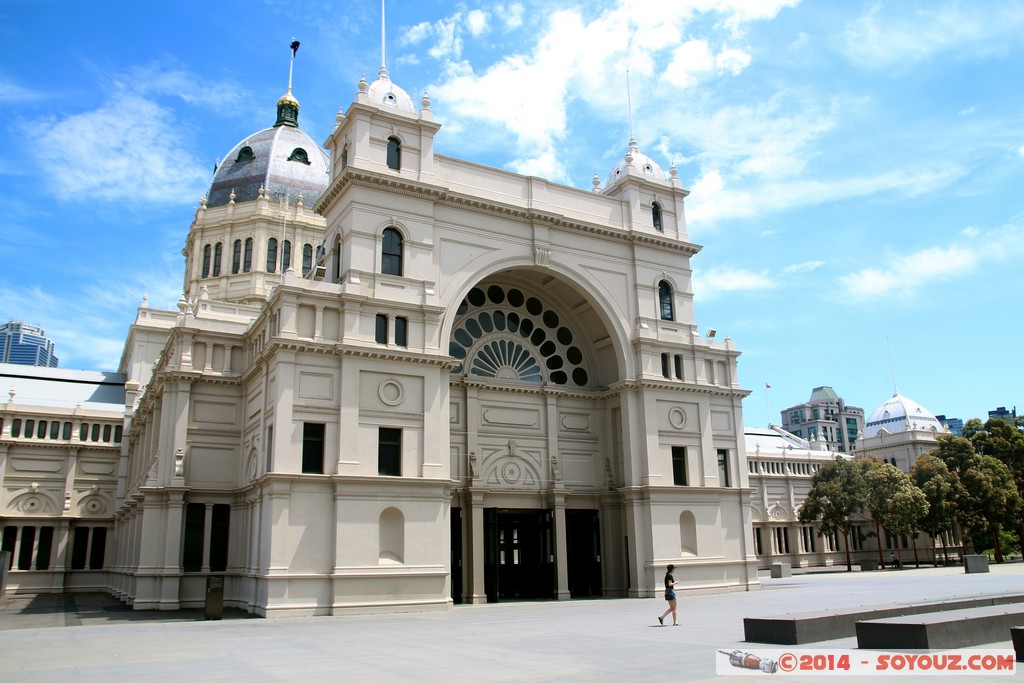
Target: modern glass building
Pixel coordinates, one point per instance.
(23, 344)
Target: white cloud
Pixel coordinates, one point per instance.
(805, 267)
(890, 36)
(970, 231)
(511, 14)
(732, 61)
(967, 111)
(903, 274)
(476, 21)
(130, 149)
(689, 60)
(715, 281)
(14, 92)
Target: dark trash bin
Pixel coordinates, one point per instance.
(214, 597)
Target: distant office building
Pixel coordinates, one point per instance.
(23, 344)
(1001, 413)
(954, 424)
(825, 417)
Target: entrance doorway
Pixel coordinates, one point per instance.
(519, 555)
(583, 547)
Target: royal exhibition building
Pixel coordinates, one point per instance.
(398, 381)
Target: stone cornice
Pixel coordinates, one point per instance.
(362, 178)
(676, 386)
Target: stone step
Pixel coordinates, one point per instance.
(940, 630)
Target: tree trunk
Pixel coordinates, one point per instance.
(995, 540)
(878, 538)
(917, 560)
(846, 546)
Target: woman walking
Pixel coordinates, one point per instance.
(670, 596)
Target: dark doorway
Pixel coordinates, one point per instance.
(583, 546)
(519, 555)
(456, 572)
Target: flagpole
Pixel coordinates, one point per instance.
(767, 407)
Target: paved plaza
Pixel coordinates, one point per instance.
(92, 638)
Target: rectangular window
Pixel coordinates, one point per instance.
(30, 426)
(312, 448)
(665, 366)
(41, 430)
(679, 366)
(381, 329)
(723, 467)
(402, 331)
(55, 430)
(389, 452)
(192, 553)
(270, 448)
(15, 427)
(118, 431)
(107, 429)
(66, 433)
(757, 541)
(219, 528)
(679, 466)
(95, 436)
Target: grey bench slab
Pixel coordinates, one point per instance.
(940, 630)
(1017, 638)
(797, 628)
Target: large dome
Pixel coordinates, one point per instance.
(900, 414)
(280, 159)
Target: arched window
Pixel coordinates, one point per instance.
(236, 257)
(391, 252)
(271, 255)
(218, 253)
(656, 215)
(665, 300)
(307, 259)
(337, 259)
(206, 261)
(245, 154)
(286, 255)
(300, 155)
(247, 263)
(394, 153)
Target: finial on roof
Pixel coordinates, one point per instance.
(288, 106)
(596, 182)
(363, 85)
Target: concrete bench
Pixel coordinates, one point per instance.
(781, 570)
(797, 628)
(975, 564)
(1017, 636)
(940, 630)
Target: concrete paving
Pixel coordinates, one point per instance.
(93, 638)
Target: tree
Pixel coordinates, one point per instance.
(939, 486)
(1005, 443)
(987, 496)
(992, 497)
(836, 495)
(893, 501)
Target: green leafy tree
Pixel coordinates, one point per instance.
(939, 486)
(992, 495)
(836, 495)
(893, 501)
(987, 496)
(1005, 443)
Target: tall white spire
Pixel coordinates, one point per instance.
(383, 42)
(629, 106)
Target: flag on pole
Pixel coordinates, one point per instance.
(295, 47)
(767, 386)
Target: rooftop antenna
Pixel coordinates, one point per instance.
(291, 64)
(892, 368)
(629, 105)
(383, 53)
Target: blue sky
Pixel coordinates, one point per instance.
(856, 168)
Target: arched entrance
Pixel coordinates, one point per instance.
(531, 441)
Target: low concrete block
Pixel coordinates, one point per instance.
(975, 564)
(798, 628)
(940, 630)
(869, 565)
(782, 570)
(1017, 636)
